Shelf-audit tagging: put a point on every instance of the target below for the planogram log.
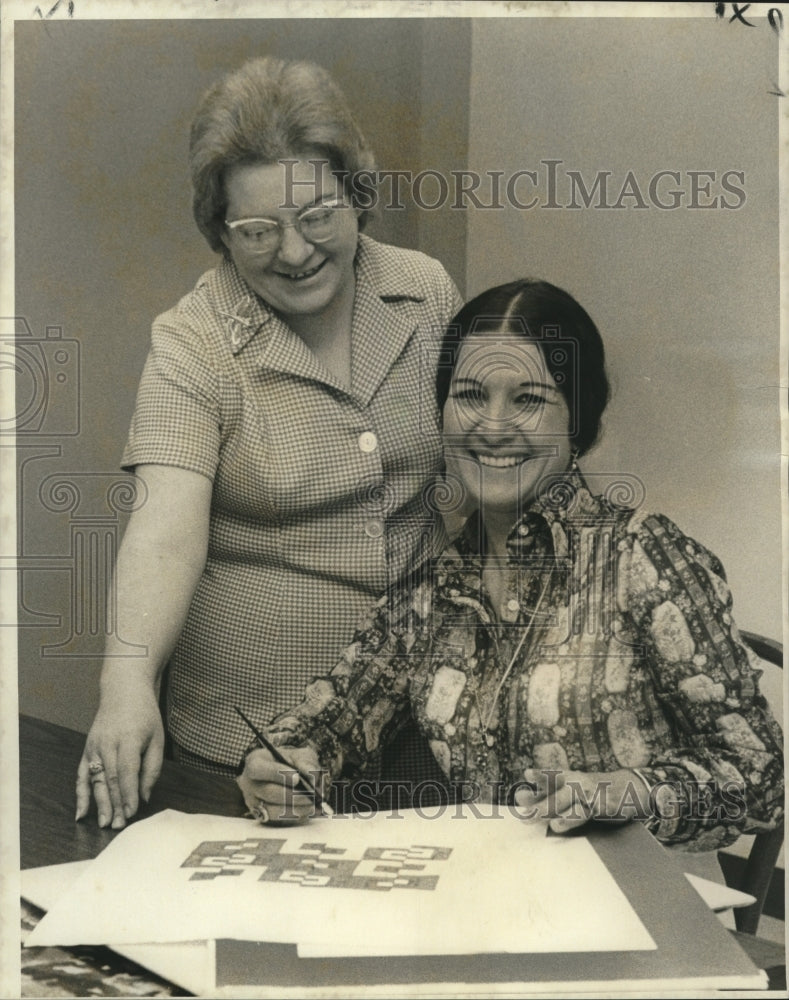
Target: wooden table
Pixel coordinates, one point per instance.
(48, 759)
(690, 940)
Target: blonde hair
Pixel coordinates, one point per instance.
(265, 111)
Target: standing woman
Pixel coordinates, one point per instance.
(285, 436)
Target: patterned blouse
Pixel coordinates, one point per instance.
(614, 647)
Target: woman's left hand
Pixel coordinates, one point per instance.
(568, 799)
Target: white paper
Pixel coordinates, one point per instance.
(719, 897)
(399, 884)
(191, 964)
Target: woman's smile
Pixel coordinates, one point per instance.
(304, 275)
(496, 460)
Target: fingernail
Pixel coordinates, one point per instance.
(102, 819)
(127, 811)
(118, 824)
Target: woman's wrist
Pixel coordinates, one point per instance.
(243, 761)
(126, 679)
(641, 793)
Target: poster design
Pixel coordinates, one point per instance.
(314, 865)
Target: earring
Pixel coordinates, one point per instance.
(574, 461)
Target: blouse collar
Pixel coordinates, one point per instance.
(562, 503)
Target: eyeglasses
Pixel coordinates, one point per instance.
(315, 225)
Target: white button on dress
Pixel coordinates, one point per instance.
(368, 442)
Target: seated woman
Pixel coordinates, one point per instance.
(567, 653)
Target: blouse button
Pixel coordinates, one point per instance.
(368, 442)
(523, 530)
(510, 610)
(374, 529)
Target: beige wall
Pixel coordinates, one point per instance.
(105, 241)
(687, 299)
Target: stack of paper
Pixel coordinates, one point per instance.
(399, 884)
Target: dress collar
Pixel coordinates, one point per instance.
(374, 268)
(384, 320)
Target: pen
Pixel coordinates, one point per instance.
(324, 806)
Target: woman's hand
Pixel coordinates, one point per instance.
(159, 565)
(122, 756)
(272, 791)
(568, 799)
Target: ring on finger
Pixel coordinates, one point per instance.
(95, 769)
(261, 813)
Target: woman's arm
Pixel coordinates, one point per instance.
(346, 716)
(158, 567)
(723, 775)
(716, 766)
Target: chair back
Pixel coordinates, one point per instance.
(755, 875)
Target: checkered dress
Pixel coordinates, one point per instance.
(320, 495)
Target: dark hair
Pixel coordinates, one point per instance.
(568, 340)
(270, 110)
